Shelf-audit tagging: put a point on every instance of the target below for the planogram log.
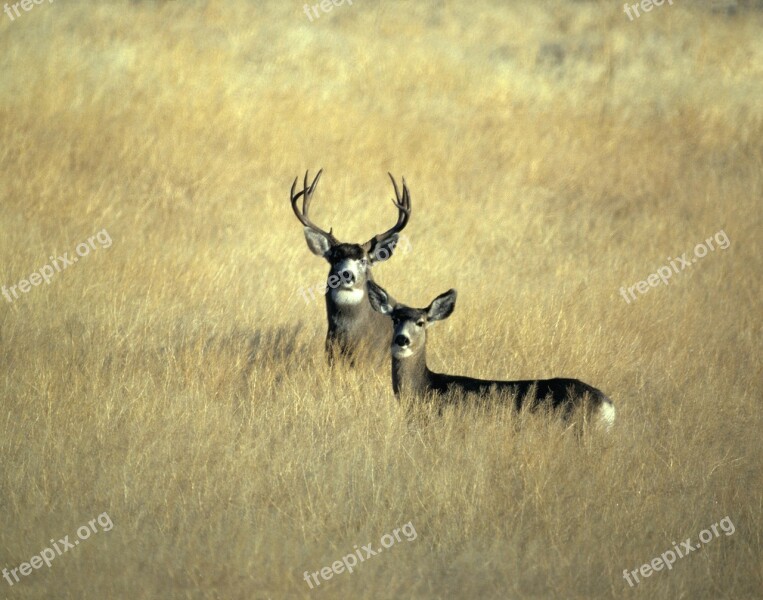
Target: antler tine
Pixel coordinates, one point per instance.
(307, 194)
(403, 204)
(406, 199)
(394, 185)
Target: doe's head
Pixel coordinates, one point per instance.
(350, 264)
(409, 335)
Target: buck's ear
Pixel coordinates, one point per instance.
(442, 306)
(318, 243)
(380, 250)
(379, 299)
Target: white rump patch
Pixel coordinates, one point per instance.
(347, 295)
(607, 415)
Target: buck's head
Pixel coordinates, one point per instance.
(350, 263)
(410, 325)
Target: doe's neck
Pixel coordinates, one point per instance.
(411, 374)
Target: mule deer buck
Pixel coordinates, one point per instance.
(352, 323)
(410, 374)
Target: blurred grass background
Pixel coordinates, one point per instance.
(555, 151)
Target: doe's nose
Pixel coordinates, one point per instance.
(402, 341)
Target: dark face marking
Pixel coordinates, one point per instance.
(345, 252)
(409, 330)
(349, 266)
(406, 313)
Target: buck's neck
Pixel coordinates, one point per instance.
(410, 374)
(347, 307)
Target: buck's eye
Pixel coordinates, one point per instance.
(363, 262)
(420, 323)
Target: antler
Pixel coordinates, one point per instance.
(307, 195)
(403, 204)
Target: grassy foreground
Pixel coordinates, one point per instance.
(173, 377)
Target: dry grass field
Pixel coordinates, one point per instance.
(174, 380)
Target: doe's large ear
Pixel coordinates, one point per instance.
(317, 241)
(379, 299)
(442, 306)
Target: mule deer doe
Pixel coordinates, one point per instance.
(351, 321)
(411, 375)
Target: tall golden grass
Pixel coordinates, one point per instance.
(555, 151)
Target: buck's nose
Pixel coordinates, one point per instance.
(402, 341)
(347, 276)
